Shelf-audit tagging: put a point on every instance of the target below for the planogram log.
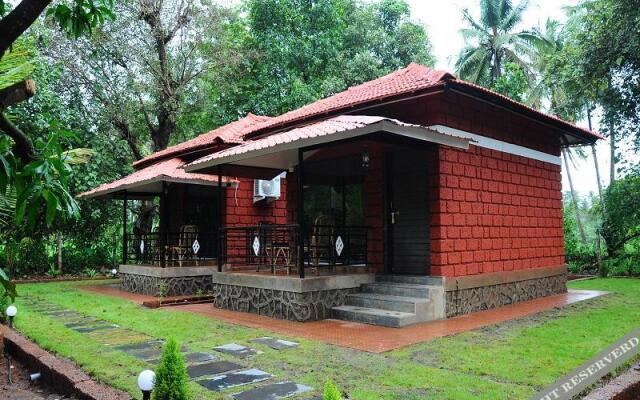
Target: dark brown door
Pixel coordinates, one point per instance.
(408, 208)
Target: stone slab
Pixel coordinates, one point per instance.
(156, 343)
(146, 354)
(276, 344)
(89, 329)
(81, 323)
(497, 278)
(274, 391)
(237, 350)
(211, 368)
(233, 379)
(62, 313)
(167, 272)
(293, 284)
(198, 357)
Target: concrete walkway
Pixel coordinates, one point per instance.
(370, 338)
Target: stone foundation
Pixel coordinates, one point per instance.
(468, 298)
(301, 307)
(176, 286)
(285, 297)
(172, 281)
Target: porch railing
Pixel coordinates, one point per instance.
(171, 248)
(275, 247)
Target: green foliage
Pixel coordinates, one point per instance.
(171, 374)
(81, 16)
(15, 65)
(292, 52)
(490, 42)
(7, 288)
(512, 82)
(331, 392)
(90, 272)
(621, 220)
(53, 272)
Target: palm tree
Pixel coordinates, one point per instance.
(490, 42)
(569, 160)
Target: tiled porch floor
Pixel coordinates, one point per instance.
(375, 339)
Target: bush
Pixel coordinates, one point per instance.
(331, 392)
(171, 374)
(623, 265)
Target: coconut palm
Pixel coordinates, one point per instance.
(490, 42)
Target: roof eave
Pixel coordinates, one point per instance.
(583, 135)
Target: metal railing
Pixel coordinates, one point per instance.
(276, 247)
(171, 248)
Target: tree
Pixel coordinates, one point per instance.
(621, 220)
(171, 375)
(602, 55)
(34, 173)
(490, 42)
(296, 52)
(139, 69)
(567, 155)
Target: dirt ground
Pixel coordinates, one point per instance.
(22, 389)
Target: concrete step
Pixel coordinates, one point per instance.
(414, 279)
(385, 302)
(374, 316)
(397, 289)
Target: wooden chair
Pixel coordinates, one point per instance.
(322, 240)
(276, 247)
(186, 237)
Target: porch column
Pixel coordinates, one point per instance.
(300, 213)
(163, 225)
(221, 209)
(124, 228)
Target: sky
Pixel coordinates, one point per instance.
(443, 19)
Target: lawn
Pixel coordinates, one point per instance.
(507, 361)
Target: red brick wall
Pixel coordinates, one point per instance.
(241, 211)
(497, 212)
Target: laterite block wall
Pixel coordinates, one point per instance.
(496, 211)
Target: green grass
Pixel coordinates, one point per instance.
(507, 361)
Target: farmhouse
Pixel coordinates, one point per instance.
(412, 197)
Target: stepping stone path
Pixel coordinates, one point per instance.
(206, 369)
(234, 379)
(237, 350)
(211, 368)
(274, 391)
(276, 344)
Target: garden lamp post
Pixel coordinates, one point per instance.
(11, 312)
(114, 272)
(146, 380)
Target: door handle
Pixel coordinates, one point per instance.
(394, 214)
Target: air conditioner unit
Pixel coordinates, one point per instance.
(266, 189)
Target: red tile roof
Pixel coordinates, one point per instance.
(168, 170)
(338, 126)
(525, 107)
(231, 133)
(413, 78)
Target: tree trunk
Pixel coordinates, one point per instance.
(595, 163)
(59, 246)
(19, 20)
(612, 144)
(574, 198)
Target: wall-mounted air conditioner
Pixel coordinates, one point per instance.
(266, 189)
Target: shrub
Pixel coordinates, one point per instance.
(171, 374)
(331, 392)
